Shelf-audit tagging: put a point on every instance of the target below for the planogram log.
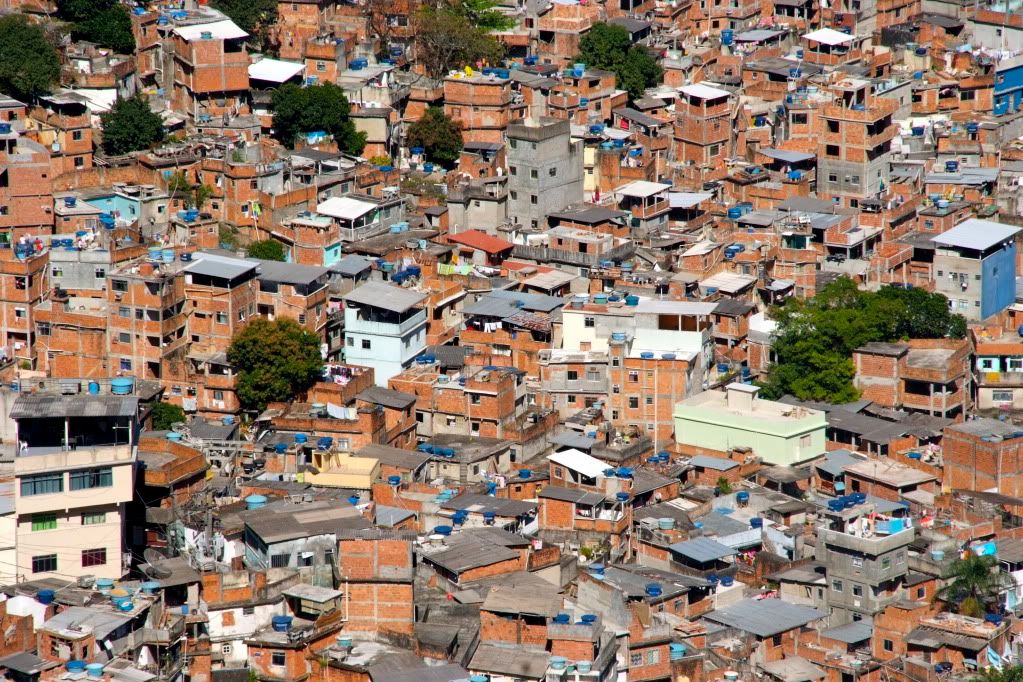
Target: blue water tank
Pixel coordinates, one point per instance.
(562, 619)
(425, 447)
(921, 51)
(93, 388)
(676, 651)
(727, 581)
(301, 438)
(428, 167)
(353, 500)
(588, 618)
(280, 448)
(742, 497)
(756, 522)
(622, 497)
(727, 36)
(122, 386)
(667, 356)
(632, 300)
(174, 436)
(255, 502)
(918, 131)
(394, 480)
(654, 589)
(227, 420)
(795, 175)
(972, 128)
(646, 355)
(45, 596)
(951, 166)
(150, 587)
(442, 530)
(913, 455)
(281, 623)
(734, 213)
(75, 666)
(525, 473)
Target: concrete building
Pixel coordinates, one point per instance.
(716, 422)
(385, 328)
(866, 561)
(74, 474)
(975, 267)
(545, 170)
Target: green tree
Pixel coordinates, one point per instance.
(484, 15)
(323, 107)
(268, 249)
(610, 47)
(28, 62)
(815, 338)
(275, 361)
(253, 16)
(1011, 673)
(446, 40)
(109, 27)
(165, 415)
(975, 584)
(129, 126)
(438, 135)
(723, 486)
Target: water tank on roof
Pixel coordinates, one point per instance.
(727, 36)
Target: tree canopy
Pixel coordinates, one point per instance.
(104, 22)
(975, 584)
(446, 39)
(321, 107)
(268, 249)
(484, 15)
(129, 126)
(438, 135)
(815, 338)
(275, 361)
(165, 415)
(253, 16)
(610, 47)
(28, 62)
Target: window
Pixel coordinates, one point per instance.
(218, 395)
(553, 172)
(857, 562)
(140, 314)
(636, 660)
(513, 170)
(533, 199)
(589, 322)
(836, 585)
(102, 477)
(57, 271)
(653, 657)
(277, 658)
(221, 318)
(833, 126)
(888, 644)
(43, 328)
(225, 649)
(366, 344)
(799, 119)
(124, 337)
(44, 563)
(79, 162)
(534, 174)
(42, 484)
(715, 149)
(125, 365)
(280, 560)
(886, 563)
(572, 375)
(832, 177)
(94, 519)
(124, 311)
(76, 135)
(857, 590)
(633, 403)
(649, 400)
(101, 273)
(920, 592)
(633, 375)
(44, 522)
(832, 150)
(19, 313)
(1001, 396)
(119, 284)
(474, 398)
(94, 557)
(248, 610)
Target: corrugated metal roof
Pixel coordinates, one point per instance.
(976, 234)
(702, 550)
(850, 633)
(49, 405)
(765, 617)
(385, 296)
(713, 463)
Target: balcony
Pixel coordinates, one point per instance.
(996, 379)
(873, 546)
(561, 383)
(358, 326)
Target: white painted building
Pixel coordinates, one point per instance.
(385, 328)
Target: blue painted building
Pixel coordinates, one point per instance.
(975, 267)
(1008, 96)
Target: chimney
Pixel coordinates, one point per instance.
(741, 397)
